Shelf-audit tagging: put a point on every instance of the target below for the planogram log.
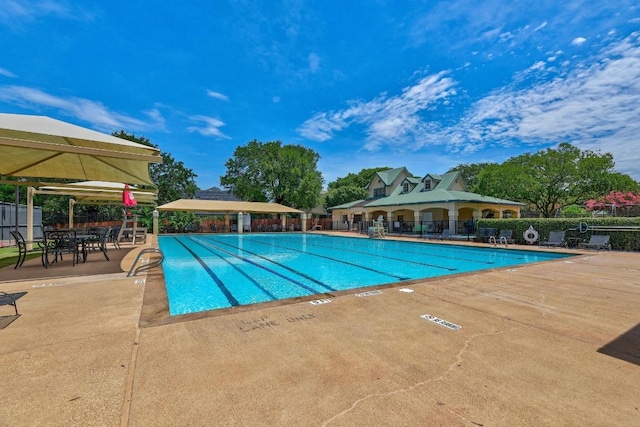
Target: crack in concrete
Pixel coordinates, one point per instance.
(421, 383)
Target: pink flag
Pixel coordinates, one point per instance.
(127, 197)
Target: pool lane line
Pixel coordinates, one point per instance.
(436, 255)
(235, 267)
(370, 254)
(300, 284)
(504, 252)
(312, 254)
(232, 300)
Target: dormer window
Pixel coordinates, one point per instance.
(405, 187)
(427, 184)
(378, 192)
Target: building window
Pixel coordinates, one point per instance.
(405, 187)
(427, 184)
(378, 192)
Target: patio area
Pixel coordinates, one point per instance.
(556, 343)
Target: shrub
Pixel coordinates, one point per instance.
(620, 240)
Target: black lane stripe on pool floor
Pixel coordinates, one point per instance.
(377, 255)
(230, 298)
(439, 247)
(415, 254)
(302, 285)
(373, 270)
(236, 268)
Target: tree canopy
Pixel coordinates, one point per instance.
(351, 187)
(470, 172)
(173, 179)
(552, 178)
(360, 179)
(273, 172)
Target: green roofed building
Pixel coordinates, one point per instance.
(421, 205)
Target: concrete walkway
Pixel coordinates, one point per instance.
(556, 343)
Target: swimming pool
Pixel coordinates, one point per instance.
(212, 271)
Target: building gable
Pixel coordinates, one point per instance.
(384, 183)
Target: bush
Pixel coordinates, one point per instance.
(620, 240)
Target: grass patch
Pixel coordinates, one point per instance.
(9, 256)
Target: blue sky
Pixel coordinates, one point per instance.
(422, 84)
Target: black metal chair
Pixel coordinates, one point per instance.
(8, 299)
(59, 242)
(99, 241)
(21, 243)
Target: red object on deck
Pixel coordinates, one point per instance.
(127, 197)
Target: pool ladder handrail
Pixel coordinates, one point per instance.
(155, 263)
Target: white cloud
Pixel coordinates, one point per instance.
(217, 95)
(594, 106)
(208, 126)
(578, 41)
(388, 120)
(314, 62)
(7, 73)
(538, 66)
(541, 26)
(14, 12)
(87, 110)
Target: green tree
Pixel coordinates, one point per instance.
(550, 179)
(470, 172)
(172, 178)
(345, 194)
(360, 179)
(272, 172)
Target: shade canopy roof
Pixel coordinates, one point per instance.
(39, 146)
(197, 205)
(99, 192)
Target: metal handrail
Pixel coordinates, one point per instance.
(155, 263)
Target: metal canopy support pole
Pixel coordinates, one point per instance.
(156, 215)
(30, 218)
(17, 207)
(72, 202)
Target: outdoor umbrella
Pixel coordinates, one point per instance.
(39, 146)
(42, 147)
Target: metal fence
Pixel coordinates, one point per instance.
(8, 220)
(413, 228)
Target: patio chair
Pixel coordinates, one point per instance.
(506, 237)
(99, 242)
(8, 299)
(485, 234)
(446, 234)
(556, 239)
(316, 226)
(597, 241)
(60, 242)
(22, 248)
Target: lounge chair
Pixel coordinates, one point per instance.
(597, 241)
(485, 234)
(316, 226)
(8, 299)
(506, 237)
(556, 239)
(446, 234)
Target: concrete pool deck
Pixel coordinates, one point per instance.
(555, 343)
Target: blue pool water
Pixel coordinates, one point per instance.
(212, 271)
